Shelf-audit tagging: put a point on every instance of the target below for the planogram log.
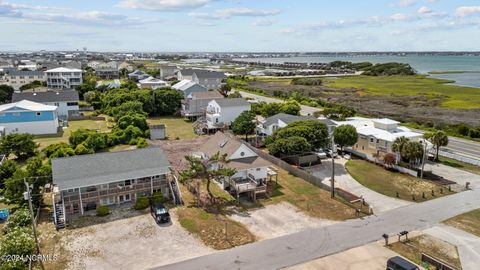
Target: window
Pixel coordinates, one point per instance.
(38, 113)
(371, 140)
(16, 114)
(258, 169)
(216, 120)
(72, 103)
(242, 154)
(56, 104)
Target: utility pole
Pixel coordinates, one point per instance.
(424, 144)
(332, 182)
(28, 196)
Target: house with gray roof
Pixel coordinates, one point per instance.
(18, 78)
(221, 113)
(280, 120)
(82, 183)
(65, 100)
(195, 104)
(209, 79)
(138, 75)
(107, 71)
(187, 87)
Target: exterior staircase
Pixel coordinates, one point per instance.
(200, 125)
(177, 195)
(59, 216)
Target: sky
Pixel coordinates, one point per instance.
(240, 25)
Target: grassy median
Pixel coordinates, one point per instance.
(469, 222)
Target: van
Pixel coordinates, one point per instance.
(399, 263)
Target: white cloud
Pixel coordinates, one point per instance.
(467, 11)
(233, 12)
(407, 3)
(424, 10)
(400, 17)
(262, 22)
(162, 5)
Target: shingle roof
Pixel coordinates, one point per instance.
(207, 95)
(187, 72)
(286, 118)
(28, 105)
(48, 96)
(103, 168)
(232, 102)
(26, 73)
(207, 74)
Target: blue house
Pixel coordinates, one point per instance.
(28, 117)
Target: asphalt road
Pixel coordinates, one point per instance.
(455, 145)
(315, 243)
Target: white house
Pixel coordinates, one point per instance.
(278, 121)
(28, 117)
(222, 112)
(252, 171)
(378, 135)
(195, 104)
(64, 78)
(152, 83)
(167, 71)
(188, 87)
(65, 100)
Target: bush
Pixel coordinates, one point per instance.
(141, 203)
(158, 197)
(103, 210)
(142, 143)
(21, 218)
(18, 241)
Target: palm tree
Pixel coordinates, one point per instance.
(437, 138)
(208, 169)
(412, 151)
(399, 144)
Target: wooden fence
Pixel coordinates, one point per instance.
(439, 265)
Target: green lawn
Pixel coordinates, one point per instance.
(469, 222)
(460, 165)
(177, 127)
(456, 96)
(389, 183)
(47, 140)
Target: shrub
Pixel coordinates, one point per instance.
(158, 197)
(141, 203)
(18, 241)
(141, 143)
(103, 210)
(21, 218)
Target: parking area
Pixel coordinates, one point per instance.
(276, 220)
(454, 174)
(343, 180)
(131, 243)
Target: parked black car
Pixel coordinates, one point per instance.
(399, 263)
(159, 212)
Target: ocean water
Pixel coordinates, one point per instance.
(423, 64)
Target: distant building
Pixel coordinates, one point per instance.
(107, 71)
(167, 71)
(65, 100)
(138, 75)
(188, 87)
(152, 83)
(64, 78)
(209, 79)
(28, 117)
(195, 104)
(18, 78)
(378, 135)
(185, 74)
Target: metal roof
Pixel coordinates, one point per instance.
(26, 73)
(47, 96)
(231, 102)
(27, 105)
(103, 168)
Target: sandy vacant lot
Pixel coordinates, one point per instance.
(131, 243)
(278, 220)
(372, 257)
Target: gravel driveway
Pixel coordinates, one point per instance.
(343, 180)
(278, 220)
(131, 243)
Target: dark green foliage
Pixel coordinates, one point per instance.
(389, 69)
(235, 94)
(314, 132)
(345, 135)
(58, 150)
(350, 65)
(338, 112)
(141, 143)
(166, 102)
(7, 170)
(79, 136)
(244, 124)
(33, 84)
(81, 149)
(103, 210)
(21, 145)
(306, 81)
(289, 146)
(20, 218)
(269, 109)
(157, 197)
(90, 139)
(141, 203)
(133, 119)
(6, 93)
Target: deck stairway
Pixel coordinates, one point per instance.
(175, 189)
(200, 125)
(59, 216)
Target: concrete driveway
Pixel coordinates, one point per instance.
(468, 245)
(454, 174)
(278, 220)
(343, 180)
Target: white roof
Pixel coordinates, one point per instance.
(28, 105)
(64, 69)
(366, 127)
(152, 80)
(183, 85)
(386, 121)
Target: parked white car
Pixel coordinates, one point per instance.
(321, 155)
